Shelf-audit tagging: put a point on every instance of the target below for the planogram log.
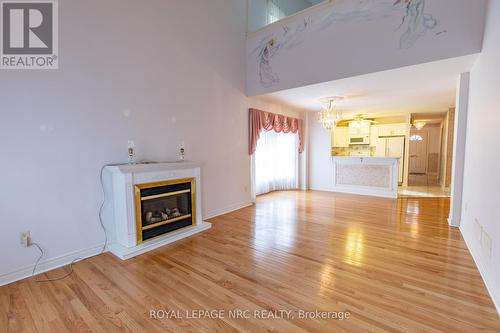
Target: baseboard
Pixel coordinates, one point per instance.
(65, 259)
(321, 189)
(494, 293)
(453, 222)
(226, 210)
(49, 264)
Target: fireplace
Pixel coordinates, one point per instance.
(162, 207)
(151, 205)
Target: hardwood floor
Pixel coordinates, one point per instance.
(394, 265)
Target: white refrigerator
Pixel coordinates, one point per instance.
(393, 146)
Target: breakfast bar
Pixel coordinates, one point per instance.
(376, 176)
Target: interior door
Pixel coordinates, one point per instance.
(418, 152)
(395, 147)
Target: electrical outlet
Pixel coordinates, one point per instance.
(25, 238)
(131, 151)
(182, 151)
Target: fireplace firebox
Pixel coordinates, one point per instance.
(162, 207)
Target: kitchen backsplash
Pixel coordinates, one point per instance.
(358, 150)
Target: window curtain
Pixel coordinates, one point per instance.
(275, 141)
(276, 162)
(261, 120)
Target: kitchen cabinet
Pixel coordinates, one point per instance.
(340, 137)
(379, 144)
(375, 141)
(359, 128)
(392, 129)
(378, 133)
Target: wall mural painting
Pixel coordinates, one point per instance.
(270, 46)
(415, 23)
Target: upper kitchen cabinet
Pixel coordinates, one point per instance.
(359, 132)
(392, 129)
(340, 137)
(359, 128)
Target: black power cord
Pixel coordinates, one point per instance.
(42, 253)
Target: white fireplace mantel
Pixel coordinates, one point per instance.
(119, 207)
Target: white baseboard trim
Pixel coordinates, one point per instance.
(125, 253)
(226, 210)
(49, 264)
(494, 293)
(453, 222)
(321, 189)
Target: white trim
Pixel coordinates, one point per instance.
(65, 259)
(49, 264)
(459, 142)
(453, 223)
(116, 249)
(125, 253)
(226, 210)
(490, 286)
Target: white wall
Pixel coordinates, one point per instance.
(481, 193)
(320, 160)
(158, 72)
(444, 144)
(312, 46)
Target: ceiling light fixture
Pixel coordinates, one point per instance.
(419, 124)
(331, 115)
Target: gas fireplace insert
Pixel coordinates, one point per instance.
(163, 207)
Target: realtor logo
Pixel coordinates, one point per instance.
(29, 34)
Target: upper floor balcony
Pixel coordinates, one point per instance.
(323, 41)
(264, 12)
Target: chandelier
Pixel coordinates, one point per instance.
(331, 115)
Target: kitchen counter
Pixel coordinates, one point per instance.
(366, 175)
(367, 157)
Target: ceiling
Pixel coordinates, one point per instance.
(422, 88)
(429, 118)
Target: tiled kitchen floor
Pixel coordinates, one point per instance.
(423, 191)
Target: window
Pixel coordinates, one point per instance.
(274, 13)
(416, 137)
(276, 162)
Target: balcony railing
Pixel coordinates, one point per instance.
(261, 13)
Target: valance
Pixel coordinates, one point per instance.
(262, 120)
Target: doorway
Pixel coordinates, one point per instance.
(427, 155)
(418, 153)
